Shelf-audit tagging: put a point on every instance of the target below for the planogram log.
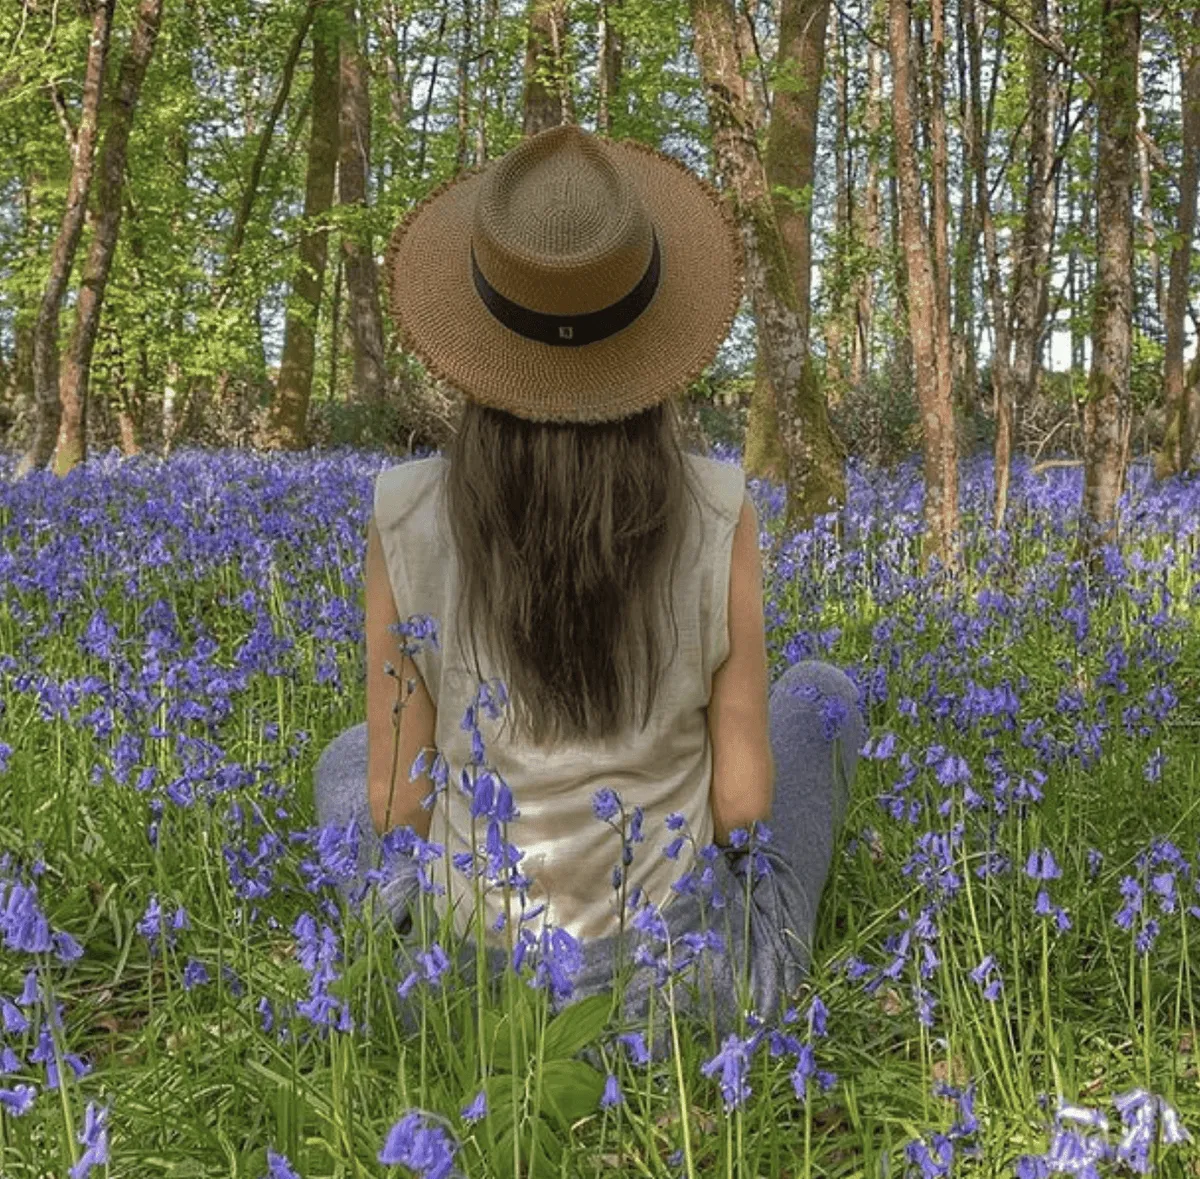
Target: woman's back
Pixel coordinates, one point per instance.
(666, 767)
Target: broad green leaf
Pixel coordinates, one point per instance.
(571, 1089)
(577, 1026)
(549, 1153)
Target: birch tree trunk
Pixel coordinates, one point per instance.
(1179, 439)
(815, 477)
(932, 381)
(285, 427)
(72, 434)
(45, 337)
(1108, 391)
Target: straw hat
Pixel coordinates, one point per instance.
(576, 278)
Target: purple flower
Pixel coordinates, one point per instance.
(1041, 865)
(279, 1166)
(477, 1109)
(426, 1150)
(636, 1044)
(561, 958)
(612, 1092)
(94, 1137)
(933, 1164)
(18, 1101)
(733, 1062)
(194, 974)
(605, 804)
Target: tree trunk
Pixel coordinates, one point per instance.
(463, 151)
(933, 385)
(1147, 211)
(286, 422)
(1179, 439)
(491, 22)
(546, 101)
(72, 439)
(1001, 341)
(966, 247)
(354, 158)
(398, 84)
(250, 191)
(860, 367)
(608, 69)
(790, 161)
(816, 481)
(1108, 391)
(1031, 261)
(45, 339)
(836, 368)
(941, 206)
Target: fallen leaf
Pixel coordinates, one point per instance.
(890, 1002)
(953, 1072)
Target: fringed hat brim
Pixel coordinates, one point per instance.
(444, 323)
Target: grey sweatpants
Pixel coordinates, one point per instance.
(813, 710)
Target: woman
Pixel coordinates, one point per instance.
(568, 547)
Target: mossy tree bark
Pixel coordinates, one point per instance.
(71, 447)
(286, 424)
(45, 337)
(801, 438)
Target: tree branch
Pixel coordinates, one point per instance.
(1068, 60)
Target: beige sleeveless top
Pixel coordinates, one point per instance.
(569, 853)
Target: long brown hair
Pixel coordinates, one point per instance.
(563, 532)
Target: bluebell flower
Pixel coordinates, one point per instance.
(636, 1044)
(279, 1167)
(560, 959)
(935, 1163)
(612, 1094)
(18, 1100)
(818, 1013)
(195, 974)
(1080, 1113)
(428, 1151)
(14, 1021)
(94, 1137)
(477, 1109)
(1032, 1166)
(1145, 938)
(1041, 865)
(1142, 1113)
(733, 1063)
(604, 804)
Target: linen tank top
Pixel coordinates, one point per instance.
(666, 767)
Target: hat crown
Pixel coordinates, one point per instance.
(558, 227)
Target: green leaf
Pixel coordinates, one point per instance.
(496, 1039)
(549, 1153)
(577, 1026)
(571, 1089)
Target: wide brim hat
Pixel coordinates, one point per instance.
(570, 236)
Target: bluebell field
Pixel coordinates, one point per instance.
(1002, 980)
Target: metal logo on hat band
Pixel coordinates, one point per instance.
(570, 330)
